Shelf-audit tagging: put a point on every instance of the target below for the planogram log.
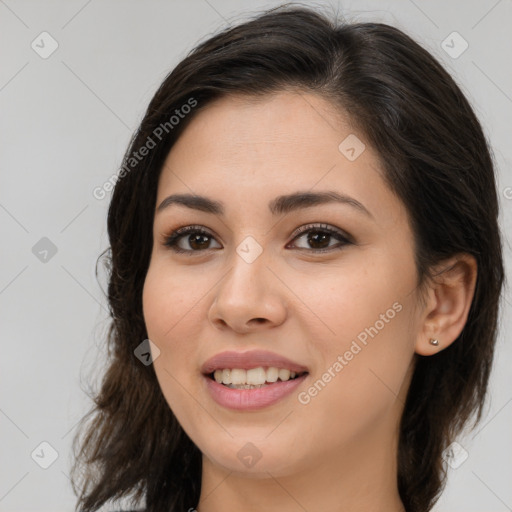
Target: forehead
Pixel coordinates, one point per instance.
(279, 122)
(249, 149)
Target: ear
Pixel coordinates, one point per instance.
(449, 298)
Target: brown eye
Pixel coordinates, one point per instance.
(318, 238)
(195, 237)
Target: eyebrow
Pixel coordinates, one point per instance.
(278, 206)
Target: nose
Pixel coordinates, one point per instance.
(249, 297)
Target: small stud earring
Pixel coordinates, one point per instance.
(434, 342)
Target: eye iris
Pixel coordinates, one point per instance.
(193, 239)
(315, 237)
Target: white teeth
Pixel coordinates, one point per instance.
(256, 376)
(226, 376)
(238, 376)
(272, 374)
(284, 374)
(246, 379)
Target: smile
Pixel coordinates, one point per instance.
(250, 397)
(251, 380)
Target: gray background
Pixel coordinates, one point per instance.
(65, 123)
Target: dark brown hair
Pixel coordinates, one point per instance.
(435, 157)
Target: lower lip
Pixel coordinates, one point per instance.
(252, 399)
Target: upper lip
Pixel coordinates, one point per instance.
(248, 360)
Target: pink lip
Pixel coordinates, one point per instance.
(248, 360)
(251, 399)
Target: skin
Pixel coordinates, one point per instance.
(337, 452)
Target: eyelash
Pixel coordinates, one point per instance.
(172, 239)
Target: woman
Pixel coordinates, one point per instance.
(305, 274)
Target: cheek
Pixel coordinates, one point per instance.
(358, 387)
(168, 299)
(171, 322)
(170, 306)
(351, 299)
(369, 312)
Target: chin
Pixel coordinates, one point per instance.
(254, 458)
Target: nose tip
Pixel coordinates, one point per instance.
(245, 300)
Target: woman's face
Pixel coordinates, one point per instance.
(348, 316)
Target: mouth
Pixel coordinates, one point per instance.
(251, 380)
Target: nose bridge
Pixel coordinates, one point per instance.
(248, 269)
(248, 291)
